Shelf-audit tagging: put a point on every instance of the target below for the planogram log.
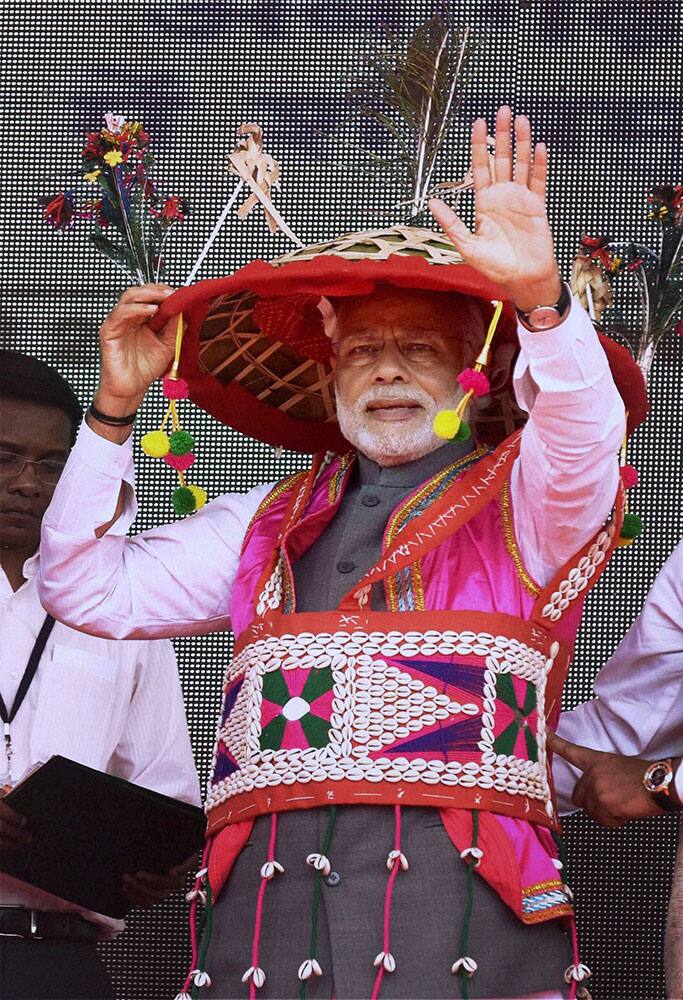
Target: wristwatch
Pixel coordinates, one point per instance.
(658, 779)
(546, 317)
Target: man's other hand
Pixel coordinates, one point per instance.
(13, 831)
(611, 787)
(146, 889)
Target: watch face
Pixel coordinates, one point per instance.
(543, 317)
(658, 776)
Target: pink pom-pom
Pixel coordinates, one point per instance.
(179, 462)
(476, 381)
(175, 388)
(629, 476)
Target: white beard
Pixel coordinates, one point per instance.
(394, 442)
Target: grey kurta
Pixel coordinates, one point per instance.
(428, 900)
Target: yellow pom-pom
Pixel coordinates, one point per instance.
(446, 424)
(199, 496)
(155, 444)
(623, 543)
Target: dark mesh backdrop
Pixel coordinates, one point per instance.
(598, 79)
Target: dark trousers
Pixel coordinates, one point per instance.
(52, 970)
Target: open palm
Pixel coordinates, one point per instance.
(512, 243)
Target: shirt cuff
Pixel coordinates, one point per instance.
(567, 358)
(103, 456)
(678, 781)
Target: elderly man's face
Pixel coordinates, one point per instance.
(398, 353)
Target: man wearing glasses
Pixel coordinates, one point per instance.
(115, 706)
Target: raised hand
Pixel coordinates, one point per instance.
(611, 787)
(512, 243)
(133, 356)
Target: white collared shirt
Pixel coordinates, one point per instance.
(638, 708)
(114, 706)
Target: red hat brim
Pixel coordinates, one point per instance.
(334, 276)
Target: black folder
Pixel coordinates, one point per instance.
(89, 829)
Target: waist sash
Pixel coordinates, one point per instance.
(444, 709)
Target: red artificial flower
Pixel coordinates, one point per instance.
(634, 265)
(596, 249)
(679, 328)
(667, 203)
(58, 210)
(173, 209)
(94, 147)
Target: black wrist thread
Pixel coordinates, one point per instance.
(105, 418)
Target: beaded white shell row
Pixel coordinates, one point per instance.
(578, 578)
(375, 703)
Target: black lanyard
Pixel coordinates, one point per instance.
(29, 674)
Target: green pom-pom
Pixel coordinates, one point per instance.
(181, 442)
(463, 432)
(184, 501)
(632, 526)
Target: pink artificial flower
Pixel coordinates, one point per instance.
(114, 122)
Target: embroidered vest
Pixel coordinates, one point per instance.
(443, 701)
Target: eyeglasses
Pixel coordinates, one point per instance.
(12, 465)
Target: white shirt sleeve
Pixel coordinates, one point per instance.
(638, 709)
(172, 580)
(565, 480)
(154, 749)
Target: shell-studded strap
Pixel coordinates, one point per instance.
(573, 581)
(466, 497)
(301, 487)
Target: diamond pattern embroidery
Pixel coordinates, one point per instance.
(429, 708)
(296, 708)
(516, 718)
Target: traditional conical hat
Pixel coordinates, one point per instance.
(256, 357)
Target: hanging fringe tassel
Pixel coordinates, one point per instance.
(176, 448)
(199, 894)
(396, 862)
(450, 424)
(465, 966)
(577, 973)
(319, 861)
(255, 975)
(632, 525)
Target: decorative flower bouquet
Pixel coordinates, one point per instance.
(131, 222)
(601, 265)
(131, 219)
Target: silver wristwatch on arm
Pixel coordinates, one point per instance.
(545, 317)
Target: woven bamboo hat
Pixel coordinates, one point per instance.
(256, 357)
